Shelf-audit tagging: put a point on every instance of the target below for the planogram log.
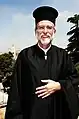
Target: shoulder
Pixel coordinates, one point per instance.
(58, 49)
(26, 51)
(61, 53)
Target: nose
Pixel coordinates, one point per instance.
(45, 30)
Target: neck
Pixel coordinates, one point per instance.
(44, 46)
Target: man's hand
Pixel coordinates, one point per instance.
(50, 87)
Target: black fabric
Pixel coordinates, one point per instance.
(29, 69)
(45, 13)
(46, 104)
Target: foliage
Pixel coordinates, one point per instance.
(6, 69)
(77, 67)
(73, 46)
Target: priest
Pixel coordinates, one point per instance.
(44, 80)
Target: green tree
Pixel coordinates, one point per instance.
(77, 67)
(73, 46)
(6, 69)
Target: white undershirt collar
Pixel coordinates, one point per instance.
(45, 50)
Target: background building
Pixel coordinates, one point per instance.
(14, 50)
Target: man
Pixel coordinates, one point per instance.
(44, 78)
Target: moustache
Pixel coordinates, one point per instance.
(43, 35)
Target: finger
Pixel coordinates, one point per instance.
(52, 91)
(46, 95)
(45, 81)
(48, 81)
(41, 87)
(40, 95)
(40, 91)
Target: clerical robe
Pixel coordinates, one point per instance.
(30, 68)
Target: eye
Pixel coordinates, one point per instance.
(40, 27)
(49, 27)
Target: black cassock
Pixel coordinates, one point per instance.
(29, 69)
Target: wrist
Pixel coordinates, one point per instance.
(58, 85)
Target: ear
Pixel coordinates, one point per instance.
(54, 29)
(35, 30)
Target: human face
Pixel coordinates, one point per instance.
(45, 31)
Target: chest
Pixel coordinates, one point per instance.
(51, 67)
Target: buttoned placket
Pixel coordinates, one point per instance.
(45, 51)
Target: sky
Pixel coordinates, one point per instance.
(17, 23)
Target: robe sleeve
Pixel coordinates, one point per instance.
(13, 109)
(70, 85)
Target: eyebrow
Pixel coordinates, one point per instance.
(46, 25)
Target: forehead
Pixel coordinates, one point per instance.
(45, 22)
